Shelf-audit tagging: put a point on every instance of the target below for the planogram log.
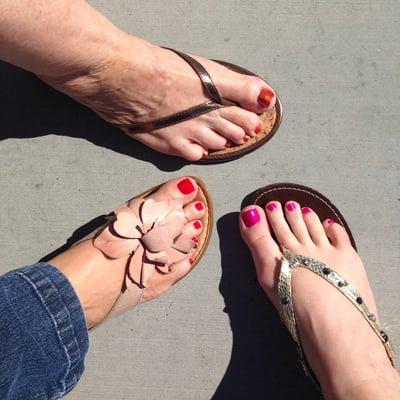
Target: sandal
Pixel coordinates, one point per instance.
(142, 232)
(271, 119)
(325, 209)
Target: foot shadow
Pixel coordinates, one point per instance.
(263, 362)
(30, 108)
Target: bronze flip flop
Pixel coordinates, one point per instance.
(306, 197)
(271, 119)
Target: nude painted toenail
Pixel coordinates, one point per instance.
(197, 224)
(199, 206)
(291, 206)
(271, 207)
(195, 239)
(306, 210)
(250, 217)
(259, 128)
(265, 97)
(186, 186)
(330, 221)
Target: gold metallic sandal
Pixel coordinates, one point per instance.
(291, 261)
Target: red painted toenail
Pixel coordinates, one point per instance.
(259, 128)
(250, 217)
(199, 206)
(271, 207)
(228, 143)
(191, 260)
(306, 210)
(290, 206)
(197, 224)
(330, 221)
(195, 239)
(186, 186)
(265, 97)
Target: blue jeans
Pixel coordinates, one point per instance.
(43, 334)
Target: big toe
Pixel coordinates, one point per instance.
(264, 249)
(181, 188)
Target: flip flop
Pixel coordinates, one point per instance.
(144, 231)
(271, 119)
(325, 209)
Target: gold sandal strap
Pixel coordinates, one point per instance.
(291, 261)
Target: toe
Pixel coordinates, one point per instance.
(295, 219)
(248, 121)
(280, 226)
(210, 139)
(314, 227)
(195, 210)
(192, 230)
(264, 249)
(192, 151)
(336, 234)
(182, 188)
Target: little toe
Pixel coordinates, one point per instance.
(336, 234)
(279, 225)
(264, 249)
(314, 226)
(293, 214)
(195, 210)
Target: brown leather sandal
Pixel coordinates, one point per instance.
(271, 119)
(150, 232)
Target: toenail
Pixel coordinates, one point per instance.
(271, 207)
(228, 143)
(306, 210)
(250, 217)
(199, 206)
(195, 239)
(259, 128)
(186, 186)
(330, 221)
(191, 260)
(246, 138)
(265, 97)
(291, 206)
(197, 224)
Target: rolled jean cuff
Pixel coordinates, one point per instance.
(52, 325)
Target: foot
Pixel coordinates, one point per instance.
(140, 82)
(98, 280)
(345, 354)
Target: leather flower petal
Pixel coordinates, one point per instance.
(135, 266)
(127, 224)
(114, 247)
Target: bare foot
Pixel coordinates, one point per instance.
(347, 357)
(139, 82)
(98, 279)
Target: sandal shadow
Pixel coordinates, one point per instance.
(263, 362)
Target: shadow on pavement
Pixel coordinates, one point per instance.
(263, 363)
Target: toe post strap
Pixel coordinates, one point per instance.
(291, 261)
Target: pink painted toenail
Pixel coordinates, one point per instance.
(259, 128)
(186, 186)
(291, 206)
(199, 206)
(265, 97)
(250, 217)
(306, 210)
(271, 207)
(330, 221)
(197, 225)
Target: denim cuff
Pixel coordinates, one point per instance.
(52, 322)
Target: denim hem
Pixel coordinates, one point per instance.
(65, 311)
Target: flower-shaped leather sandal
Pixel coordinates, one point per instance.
(271, 119)
(324, 208)
(150, 233)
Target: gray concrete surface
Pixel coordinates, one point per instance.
(336, 68)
